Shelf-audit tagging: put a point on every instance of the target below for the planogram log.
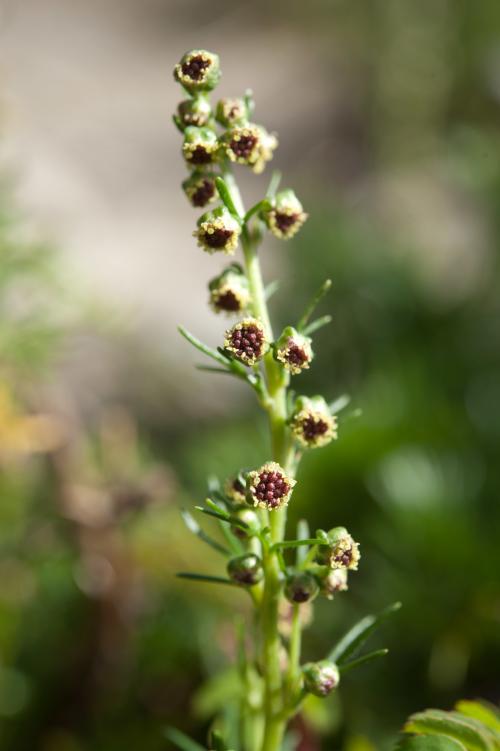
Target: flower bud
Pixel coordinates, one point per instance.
(200, 146)
(269, 487)
(320, 678)
(341, 550)
(195, 111)
(198, 70)
(235, 489)
(229, 291)
(231, 112)
(334, 581)
(218, 231)
(246, 341)
(250, 518)
(245, 570)
(286, 216)
(312, 423)
(293, 350)
(301, 587)
(251, 145)
(200, 189)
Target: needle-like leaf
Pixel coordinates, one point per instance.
(321, 292)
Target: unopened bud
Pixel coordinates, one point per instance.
(293, 350)
(200, 146)
(231, 112)
(301, 587)
(200, 189)
(229, 291)
(312, 423)
(320, 678)
(269, 486)
(194, 112)
(245, 570)
(335, 581)
(246, 341)
(250, 518)
(198, 70)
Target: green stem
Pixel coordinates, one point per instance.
(277, 382)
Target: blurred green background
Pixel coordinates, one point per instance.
(388, 114)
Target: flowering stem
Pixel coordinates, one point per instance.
(282, 453)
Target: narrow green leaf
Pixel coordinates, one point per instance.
(361, 660)
(195, 528)
(271, 289)
(317, 324)
(302, 534)
(429, 743)
(296, 543)
(273, 184)
(217, 742)
(321, 292)
(205, 578)
(202, 347)
(260, 206)
(226, 197)
(339, 404)
(222, 516)
(359, 633)
(182, 741)
(209, 369)
(473, 735)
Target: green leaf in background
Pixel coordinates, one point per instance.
(182, 741)
(486, 713)
(473, 735)
(359, 633)
(463, 728)
(429, 743)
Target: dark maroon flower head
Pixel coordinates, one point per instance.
(246, 341)
(269, 486)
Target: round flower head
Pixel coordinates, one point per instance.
(341, 550)
(200, 146)
(293, 350)
(243, 143)
(200, 189)
(231, 112)
(250, 518)
(286, 216)
(246, 341)
(320, 678)
(229, 291)
(198, 70)
(312, 423)
(269, 487)
(194, 112)
(301, 587)
(218, 231)
(245, 570)
(334, 581)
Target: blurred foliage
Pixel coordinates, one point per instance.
(99, 647)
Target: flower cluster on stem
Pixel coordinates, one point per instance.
(251, 505)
